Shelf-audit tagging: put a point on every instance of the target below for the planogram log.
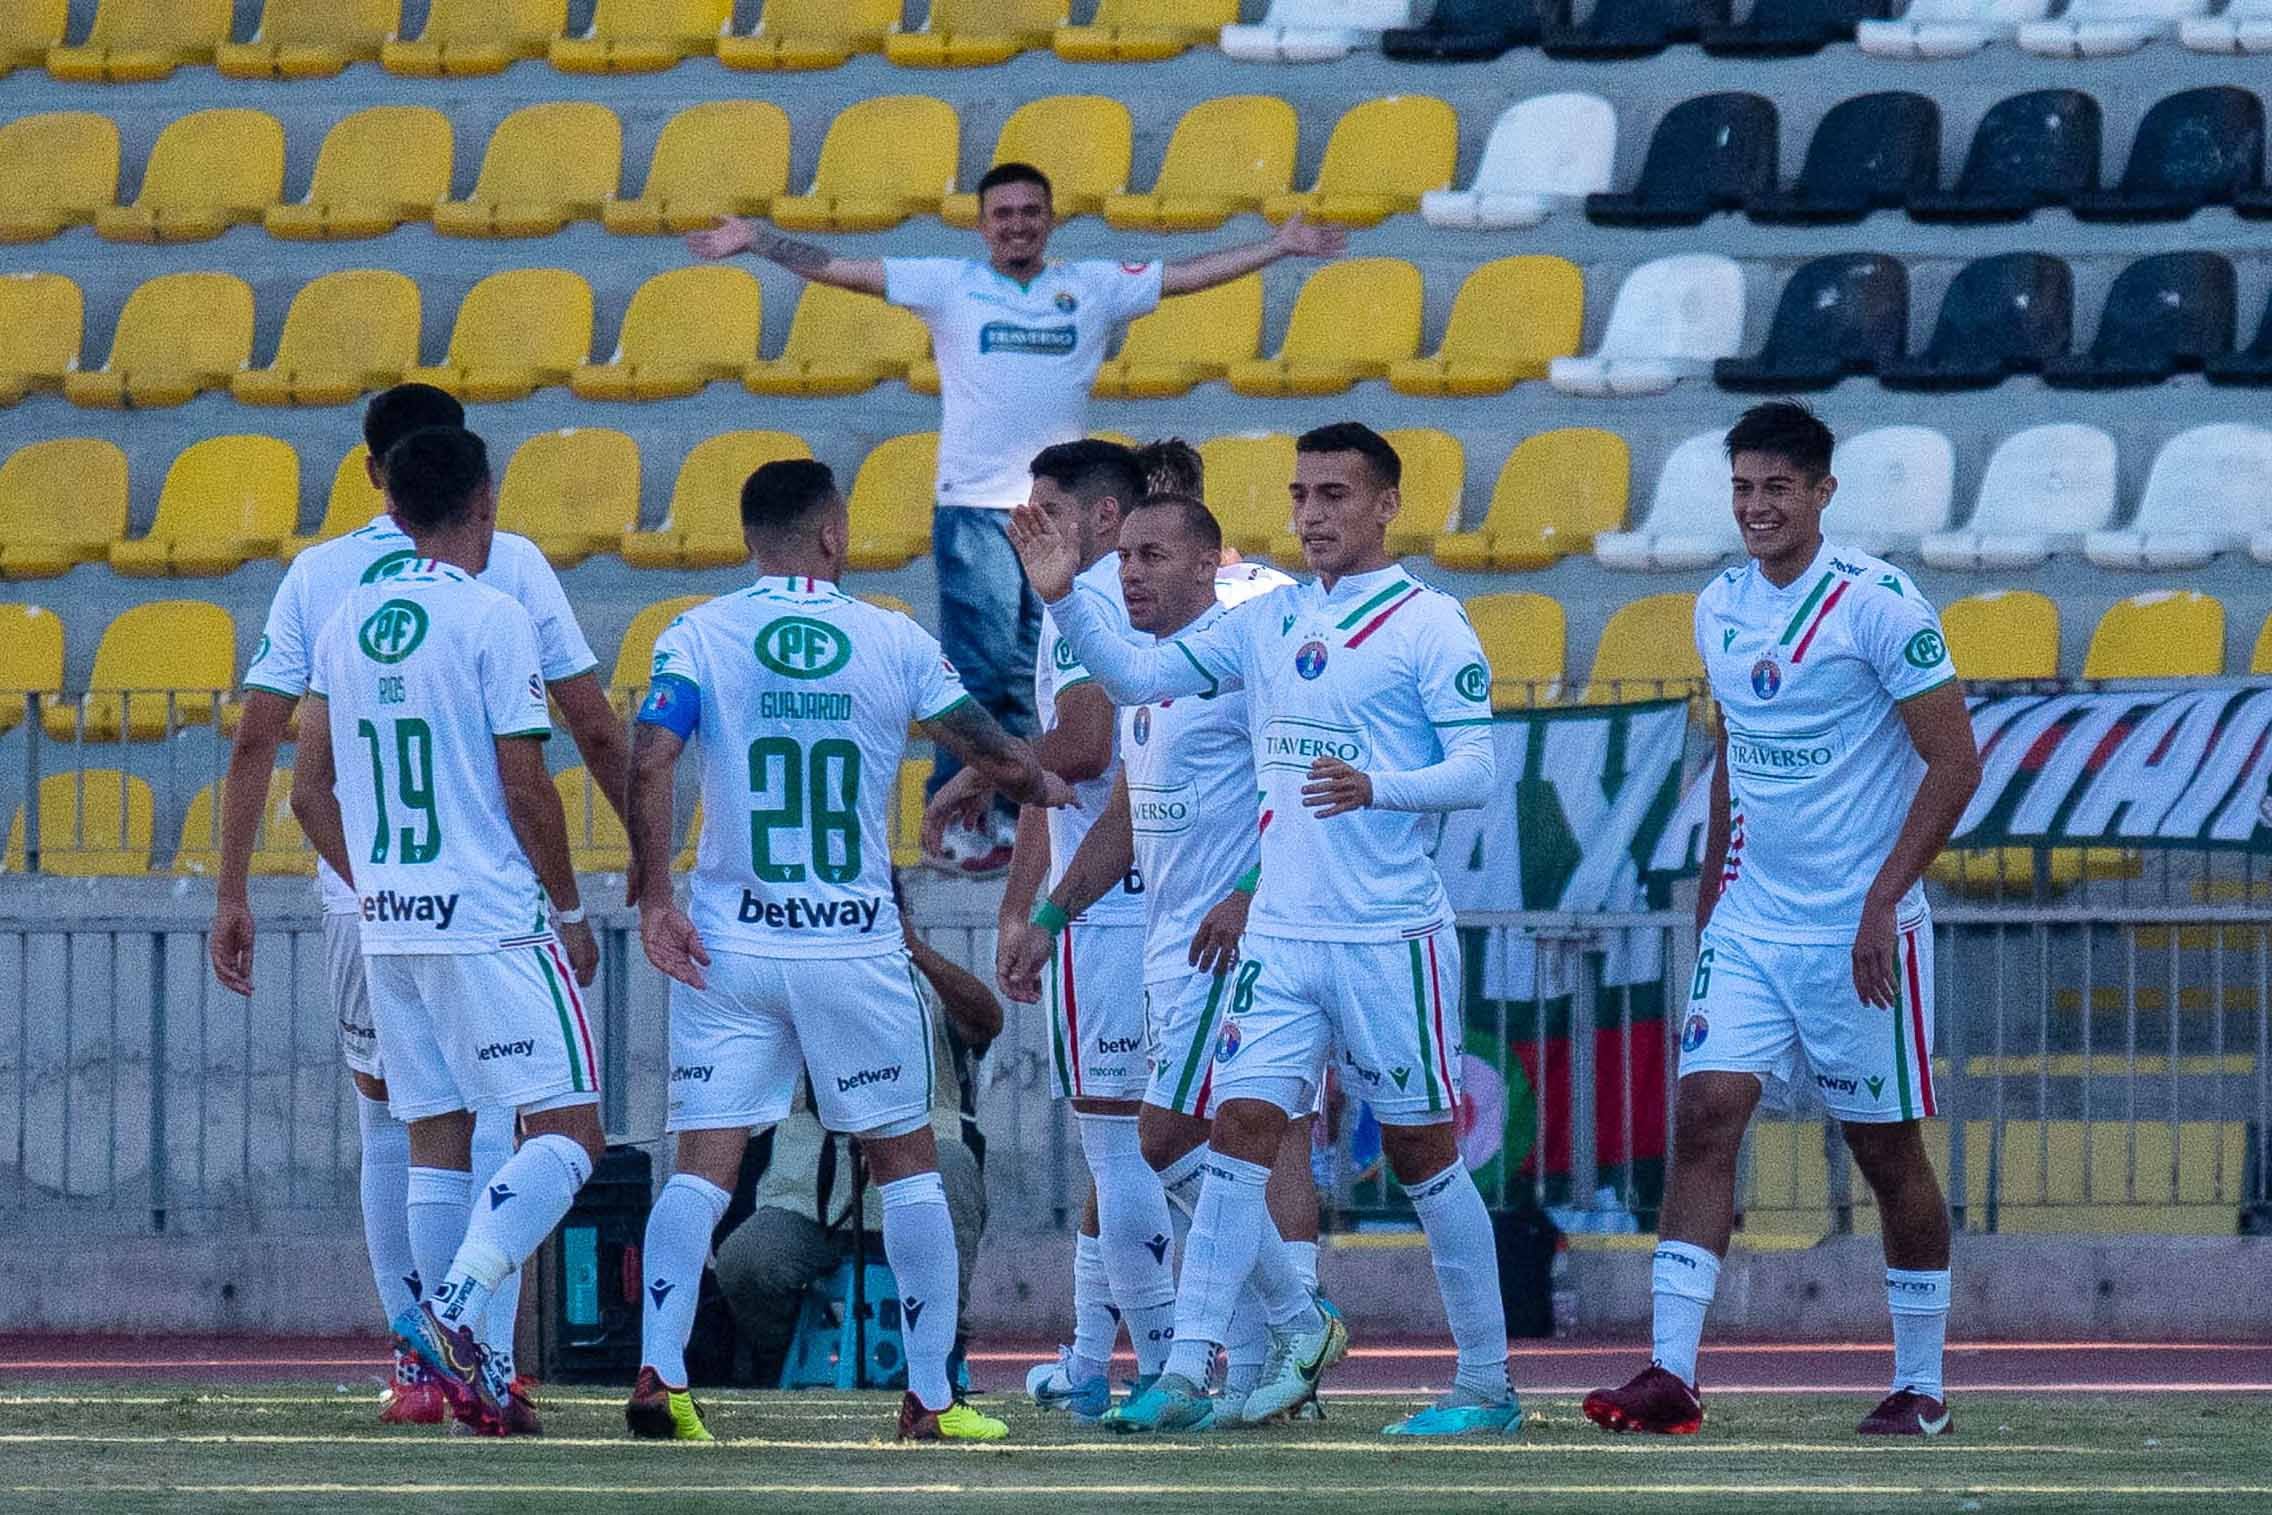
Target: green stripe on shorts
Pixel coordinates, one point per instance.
(1900, 1037)
(1200, 1043)
(1427, 1042)
(560, 1008)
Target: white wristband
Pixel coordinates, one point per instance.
(573, 917)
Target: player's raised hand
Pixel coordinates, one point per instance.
(672, 943)
(1215, 946)
(1051, 558)
(1335, 788)
(961, 800)
(1021, 954)
(732, 235)
(1303, 238)
(230, 946)
(583, 950)
(1874, 981)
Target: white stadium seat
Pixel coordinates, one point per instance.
(1691, 522)
(2103, 28)
(1315, 31)
(1896, 486)
(2210, 491)
(1544, 154)
(1948, 28)
(2044, 489)
(1672, 319)
(2245, 27)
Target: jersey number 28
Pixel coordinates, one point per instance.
(817, 791)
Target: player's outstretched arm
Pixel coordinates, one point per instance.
(737, 234)
(315, 804)
(1460, 780)
(1097, 868)
(532, 805)
(1077, 748)
(598, 733)
(1941, 728)
(244, 796)
(1298, 238)
(1007, 764)
(971, 1007)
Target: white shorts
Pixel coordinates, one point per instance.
(468, 1030)
(1758, 1007)
(1096, 1012)
(858, 1025)
(1391, 1009)
(1182, 1018)
(351, 995)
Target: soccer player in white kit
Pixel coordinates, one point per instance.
(789, 958)
(1846, 757)
(1369, 696)
(422, 740)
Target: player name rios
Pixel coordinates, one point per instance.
(810, 915)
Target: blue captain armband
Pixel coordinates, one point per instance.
(674, 704)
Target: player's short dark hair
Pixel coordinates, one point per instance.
(395, 413)
(1786, 429)
(781, 494)
(433, 475)
(1173, 466)
(1014, 173)
(1356, 436)
(1192, 516)
(1092, 468)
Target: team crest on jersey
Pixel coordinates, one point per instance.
(391, 566)
(799, 647)
(1925, 649)
(1309, 662)
(1061, 654)
(1227, 1045)
(1693, 1032)
(1143, 724)
(1065, 301)
(1766, 678)
(393, 631)
(1473, 683)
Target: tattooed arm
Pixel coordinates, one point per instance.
(1009, 765)
(804, 259)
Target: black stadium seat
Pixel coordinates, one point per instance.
(1629, 28)
(1841, 315)
(2031, 150)
(1710, 153)
(1871, 152)
(1793, 28)
(2252, 365)
(2001, 316)
(2196, 148)
(1463, 30)
(2165, 313)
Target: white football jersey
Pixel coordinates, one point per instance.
(1055, 671)
(803, 695)
(424, 670)
(1820, 767)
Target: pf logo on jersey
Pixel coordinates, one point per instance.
(1309, 661)
(393, 631)
(798, 647)
(1473, 683)
(1766, 678)
(1143, 724)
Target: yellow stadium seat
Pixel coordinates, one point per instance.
(973, 33)
(40, 320)
(891, 602)
(546, 165)
(2118, 1177)
(1556, 490)
(572, 492)
(1189, 340)
(31, 659)
(643, 36)
(726, 158)
(635, 654)
(168, 663)
(345, 334)
(56, 170)
(1647, 652)
(1510, 319)
(1144, 31)
(1522, 637)
(1246, 487)
(891, 501)
(907, 813)
(311, 39)
(885, 159)
(807, 34)
(467, 37)
(93, 823)
(597, 842)
(179, 335)
(704, 526)
(377, 169)
(517, 332)
(2259, 660)
(2167, 634)
(226, 500)
(1226, 157)
(2003, 634)
(840, 343)
(1383, 156)
(685, 327)
(62, 502)
(1350, 322)
(279, 849)
(134, 40)
(1435, 477)
(28, 29)
(1082, 142)
(208, 172)
(352, 505)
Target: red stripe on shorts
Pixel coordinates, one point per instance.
(576, 1005)
(1443, 1051)
(1072, 1009)
(1917, 1028)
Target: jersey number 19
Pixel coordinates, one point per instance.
(414, 787)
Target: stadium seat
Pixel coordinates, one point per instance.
(1841, 315)
(907, 813)
(840, 343)
(2153, 1176)
(1672, 320)
(208, 172)
(2166, 634)
(56, 170)
(975, 33)
(1711, 153)
(137, 40)
(2251, 365)
(351, 505)
(2196, 148)
(311, 39)
(377, 169)
(2244, 26)
(726, 158)
(1191, 339)
(1509, 320)
(1647, 651)
(1547, 153)
(2260, 659)
(1225, 158)
(179, 335)
(2209, 491)
(573, 492)
(2166, 314)
(891, 501)
(1896, 486)
(1691, 522)
(1555, 492)
(2043, 489)
(1948, 28)
(31, 27)
(464, 38)
(161, 665)
(1383, 156)
(1461, 31)
(226, 500)
(280, 848)
(795, 35)
(643, 36)
(1314, 31)
(1871, 152)
(1792, 28)
(2103, 28)
(1350, 322)
(2003, 634)
(685, 328)
(703, 528)
(31, 660)
(2000, 316)
(346, 333)
(546, 165)
(597, 842)
(886, 158)
(1434, 479)
(93, 823)
(2030, 151)
(1082, 142)
(1522, 637)
(1143, 31)
(1246, 487)
(635, 654)
(62, 502)
(1628, 28)
(516, 332)
(41, 316)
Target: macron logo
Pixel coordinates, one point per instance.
(387, 907)
(492, 1051)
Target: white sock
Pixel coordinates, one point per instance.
(1303, 1256)
(1096, 1324)
(1133, 1235)
(493, 1131)
(1919, 1300)
(1682, 1279)
(1180, 1180)
(386, 1205)
(1249, 1344)
(1466, 1256)
(436, 1205)
(515, 1214)
(1226, 1253)
(678, 1244)
(919, 1243)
